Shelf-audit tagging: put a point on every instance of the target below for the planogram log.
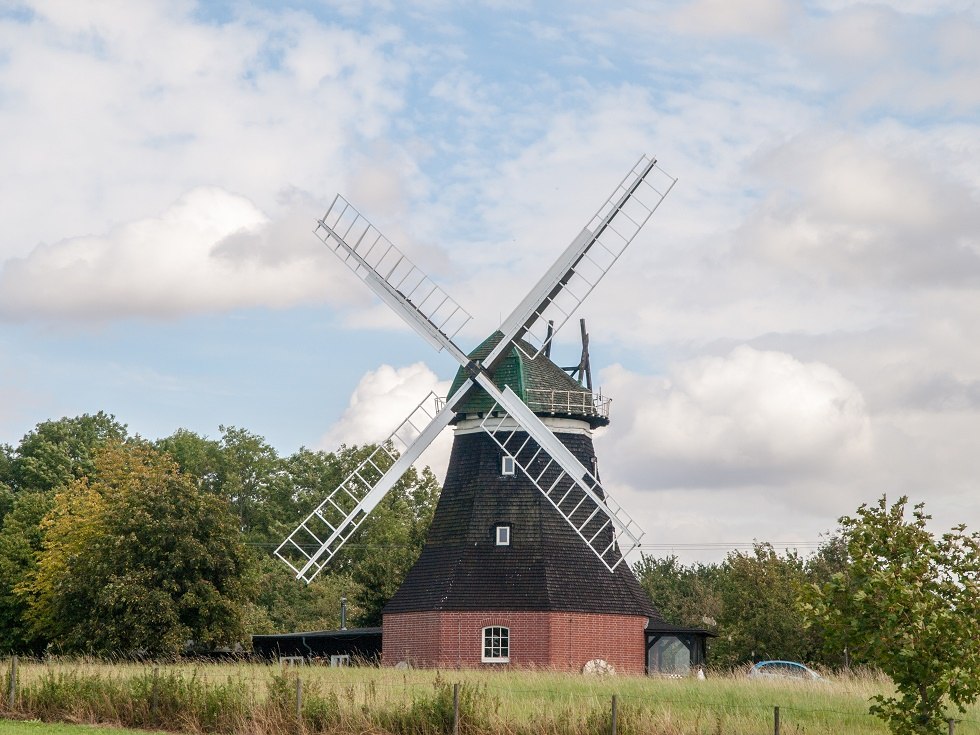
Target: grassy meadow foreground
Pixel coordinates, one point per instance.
(261, 700)
(34, 727)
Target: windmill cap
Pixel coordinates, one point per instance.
(540, 383)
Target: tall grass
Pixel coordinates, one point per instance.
(259, 699)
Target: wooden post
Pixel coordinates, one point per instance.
(155, 694)
(299, 702)
(13, 683)
(952, 725)
(775, 720)
(612, 720)
(456, 709)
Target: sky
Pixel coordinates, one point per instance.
(793, 333)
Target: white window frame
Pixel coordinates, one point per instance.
(495, 645)
(508, 465)
(502, 534)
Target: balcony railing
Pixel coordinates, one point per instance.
(574, 402)
(561, 402)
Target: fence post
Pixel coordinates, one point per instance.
(612, 720)
(456, 708)
(155, 695)
(952, 725)
(775, 721)
(299, 702)
(13, 682)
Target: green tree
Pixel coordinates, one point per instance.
(250, 477)
(6, 501)
(285, 605)
(137, 559)
(828, 560)
(196, 455)
(6, 480)
(906, 602)
(57, 452)
(384, 548)
(759, 616)
(20, 546)
(684, 595)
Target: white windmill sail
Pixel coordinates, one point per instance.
(391, 275)
(315, 541)
(570, 488)
(589, 257)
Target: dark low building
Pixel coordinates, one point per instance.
(329, 646)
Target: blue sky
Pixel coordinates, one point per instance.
(791, 335)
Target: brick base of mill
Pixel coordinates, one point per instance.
(563, 641)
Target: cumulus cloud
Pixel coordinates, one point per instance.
(383, 399)
(112, 112)
(842, 207)
(750, 416)
(209, 251)
(721, 18)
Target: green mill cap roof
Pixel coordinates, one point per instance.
(541, 384)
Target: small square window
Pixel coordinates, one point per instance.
(503, 535)
(507, 465)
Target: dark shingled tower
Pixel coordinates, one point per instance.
(560, 606)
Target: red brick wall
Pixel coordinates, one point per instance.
(552, 640)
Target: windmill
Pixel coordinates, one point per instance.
(517, 479)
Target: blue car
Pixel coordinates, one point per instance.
(783, 670)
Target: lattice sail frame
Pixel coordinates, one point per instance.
(438, 318)
(317, 539)
(373, 258)
(590, 256)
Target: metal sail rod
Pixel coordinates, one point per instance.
(541, 304)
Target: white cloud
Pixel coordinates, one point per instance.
(109, 114)
(747, 417)
(722, 18)
(209, 251)
(381, 401)
(842, 207)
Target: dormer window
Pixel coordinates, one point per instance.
(507, 465)
(502, 533)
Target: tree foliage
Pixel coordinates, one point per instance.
(750, 601)
(136, 559)
(20, 546)
(57, 452)
(684, 595)
(759, 618)
(906, 602)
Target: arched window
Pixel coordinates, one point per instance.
(496, 645)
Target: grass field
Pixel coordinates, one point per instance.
(260, 699)
(12, 727)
